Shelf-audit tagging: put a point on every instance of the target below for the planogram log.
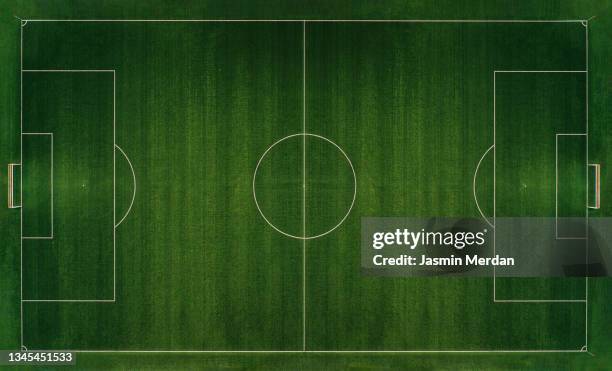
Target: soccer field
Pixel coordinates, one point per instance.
(200, 186)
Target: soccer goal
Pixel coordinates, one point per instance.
(14, 177)
(595, 173)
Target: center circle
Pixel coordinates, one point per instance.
(306, 182)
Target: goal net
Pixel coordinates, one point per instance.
(14, 177)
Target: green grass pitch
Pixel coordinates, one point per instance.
(140, 226)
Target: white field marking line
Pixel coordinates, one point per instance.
(52, 193)
(114, 188)
(539, 71)
(304, 186)
(52, 212)
(323, 20)
(354, 187)
(582, 350)
(495, 300)
(557, 187)
(60, 71)
(68, 300)
(134, 191)
(540, 301)
(494, 176)
(474, 187)
(21, 180)
(586, 257)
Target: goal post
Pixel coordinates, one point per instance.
(14, 178)
(595, 175)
